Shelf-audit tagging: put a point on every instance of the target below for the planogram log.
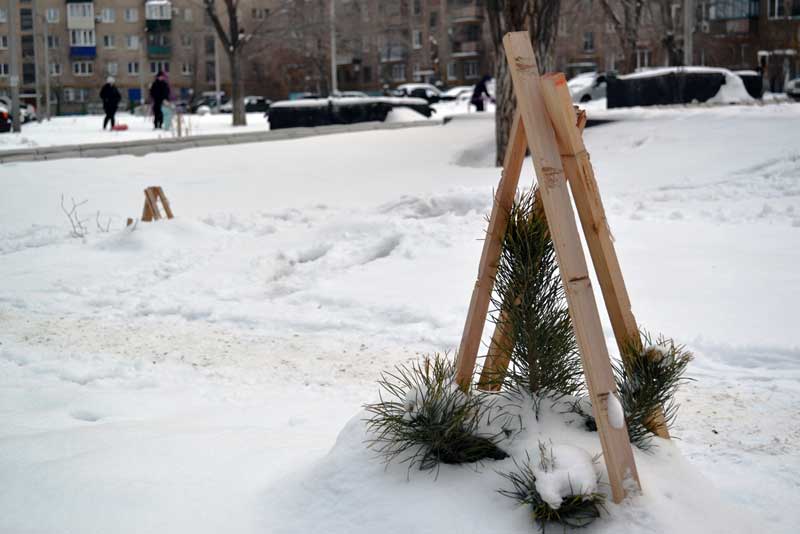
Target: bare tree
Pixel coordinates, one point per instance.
(233, 40)
(668, 23)
(626, 16)
(540, 19)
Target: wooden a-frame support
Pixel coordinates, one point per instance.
(150, 211)
(546, 122)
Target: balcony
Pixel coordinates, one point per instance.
(158, 51)
(466, 14)
(158, 25)
(466, 49)
(82, 52)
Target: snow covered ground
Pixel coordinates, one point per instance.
(84, 129)
(192, 376)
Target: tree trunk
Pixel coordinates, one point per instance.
(540, 18)
(237, 89)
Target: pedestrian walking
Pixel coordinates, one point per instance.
(159, 92)
(110, 96)
(479, 92)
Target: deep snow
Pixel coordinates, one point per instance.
(191, 375)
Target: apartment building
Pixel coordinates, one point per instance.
(81, 43)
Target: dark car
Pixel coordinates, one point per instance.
(251, 103)
(5, 120)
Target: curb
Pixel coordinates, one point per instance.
(142, 147)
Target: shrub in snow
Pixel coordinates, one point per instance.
(423, 418)
(534, 314)
(648, 378)
(561, 488)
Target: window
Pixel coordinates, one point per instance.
(108, 41)
(83, 10)
(111, 68)
(451, 71)
(186, 39)
(53, 41)
(158, 11)
(75, 95)
(433, 19)
(26, 19)
(187, 14)
(562, 27)
(131, 14)
(52, 15)
(83, 68)
(55, 69)
(470, 70)
(209, 45)
(3, 70)
(588, 41)
(260, 13)
(133, 68)
(417, 39)
(418, 7)
(610, 28)
(3, 42)
(642, 58)
(416, 75)
(27, 46)
(132, 42)
(156, 66)
(108, 14)
(3, 15)
(81, 37)
(473, 32)
(158, 39)
(367, 73)
(210, 71)
(28, 73)
(399, 72)
(186, 69)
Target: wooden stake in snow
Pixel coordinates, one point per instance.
(150, 211)
(533, 128)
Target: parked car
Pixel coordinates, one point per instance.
(206, 101)
(460, 91)
(251, 103)
(27, 113)
(350, 94)
(793, 88)
(429, 92)
(587, 86)
(5, 119)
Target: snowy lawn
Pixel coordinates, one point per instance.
(192, 375)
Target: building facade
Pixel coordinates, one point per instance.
(379, 44)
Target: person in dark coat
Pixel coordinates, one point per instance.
(110, 97)
(479, 92)
(159, 92)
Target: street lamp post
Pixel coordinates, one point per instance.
(13, 38)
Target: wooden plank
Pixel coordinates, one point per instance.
(164, 202)
(492, 245)
(152, 200)
(589, 204)
(563, 228)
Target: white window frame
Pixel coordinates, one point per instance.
(109, 41)
(643, 58)
(108, 15)
(54, 40)
(451, 70)
(83, 10)
(399, 72)
(156, 66)
(4, 70)
(417, 39)
(187, 14)
(133, 68)
(3, 15)
(187, 40)
(186, 69)
(3, 42)
(55, 69)
(131, 14)
(471, 73)
(132, 42)
(53, 15)
(112, 68)
(82, 37)
(82, 68)
(158, 11)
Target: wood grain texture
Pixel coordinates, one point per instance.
(492, 246)
(589, 204)
(563, 228)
